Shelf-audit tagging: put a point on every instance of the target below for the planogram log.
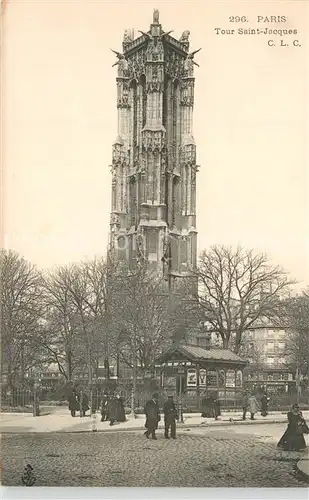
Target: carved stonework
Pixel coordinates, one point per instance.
(119, 155)
(187, 100)
(140, 249)
(174, 65)
(123, 93)
(153, 141)
(188, 67)
(188, 154)
(136, 64)
(115, 219)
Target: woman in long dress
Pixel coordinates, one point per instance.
(264, 405)
(293, 438)
(253, 406)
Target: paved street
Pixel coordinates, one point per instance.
(60, 420)
(227, 457)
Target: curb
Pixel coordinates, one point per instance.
(142, 427)
(300, 465)
(190, 426)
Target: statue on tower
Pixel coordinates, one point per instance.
(127, 37)
(185, 36)
(155, 16)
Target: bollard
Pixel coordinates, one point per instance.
(94, 421)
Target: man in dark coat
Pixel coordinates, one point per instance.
(103, 407)
(112, 410)
(83, 403)
(170, 414)
(73, 403)
(244, 404)
(152, 413)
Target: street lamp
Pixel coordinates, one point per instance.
(181, 372)
(36, 397)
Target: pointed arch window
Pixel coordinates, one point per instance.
(144, 99)
(133, 87)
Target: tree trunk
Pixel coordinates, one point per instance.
(70, 370)
(225, 343)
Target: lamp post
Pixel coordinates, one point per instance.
(36, 397)
(94, 405)
(134, 378)
(181, 372)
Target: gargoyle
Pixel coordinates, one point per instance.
(191, 56)
(150, 37)
(120, 57)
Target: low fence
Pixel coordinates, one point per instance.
(24, 400)
(17, 398)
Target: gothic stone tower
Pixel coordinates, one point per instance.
(153, 215)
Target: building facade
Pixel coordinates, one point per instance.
(153, 206)
(265, 347)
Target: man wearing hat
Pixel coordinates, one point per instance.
(152, 413)
(170, 414)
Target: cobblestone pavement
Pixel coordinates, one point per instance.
(196, 459)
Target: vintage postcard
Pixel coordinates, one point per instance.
(155, 244)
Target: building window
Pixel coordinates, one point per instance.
(152, 244)
(281, 345)
(270, 360)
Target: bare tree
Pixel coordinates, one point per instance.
(61, 337)
(238, 287)
(81, 322)
(295, 317)
(148, 316)
(21, 314)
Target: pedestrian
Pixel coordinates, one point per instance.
(73, 403)
(264, 405)
(120, 412)
(153, 417)
(112, 409)
(217, 408)
(103, 407)
(293, 438)
(170, 414)
(207, 407)
(244, 404)
(83, 403)
(253, 406)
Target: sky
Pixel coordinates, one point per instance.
(59, 121)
